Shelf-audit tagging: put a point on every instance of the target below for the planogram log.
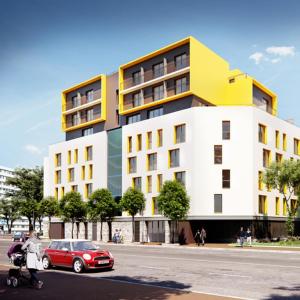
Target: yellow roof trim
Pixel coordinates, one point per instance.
(156, 52)
(81, 84)
(263, 88)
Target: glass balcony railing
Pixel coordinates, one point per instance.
(84, 99)
(84, 118)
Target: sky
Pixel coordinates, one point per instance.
(47, 46)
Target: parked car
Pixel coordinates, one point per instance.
(19, 237)
(79, 255)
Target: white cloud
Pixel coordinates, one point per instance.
(281, 51)
(257, 57)
(275, 60)
(33, 149)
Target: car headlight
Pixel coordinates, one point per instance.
(86, 256)
(109, 253)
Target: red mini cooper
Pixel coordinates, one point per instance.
(77, 254)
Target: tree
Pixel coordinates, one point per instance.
(173, 201)
(285, 178)
(49, 207)
(9, 211)
(101, 205)
(29, 191)
(73, 209)
(133, 201)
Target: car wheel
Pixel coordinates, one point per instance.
(46, 262)
(78, 265)
(15, 282)
(8, 281)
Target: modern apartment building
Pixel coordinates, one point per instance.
(176, 113)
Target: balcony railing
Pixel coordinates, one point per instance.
(83, 100)
(83, 119)
(150, 97)
(148, 75)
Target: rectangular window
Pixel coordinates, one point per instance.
(75, 156)
(218, 154)
(56, 193)
(88, 189)
(90, 115)
(133, 119)
(159, 138)
(284, 208)
(139, 142)
(294, 206)
(129, 144)
(90, 171)
(266, 158)
(152, 161)
(158, 70)
(296, 147)
(71, 175)
(262, 205)
(137, 77)
(277, 206)
(278, 157)
(181, 85)
(153, 113)
(159, 182)
(137, 183)
(158, 92)
(262, 134)
(69, 157)
(75, 119)
(89, 153)
(149, 184)
(284, 143)
(226, 130)
(87, 131)
(137, 99)
(132, 164)
(83, 172)
(226, 178)
(149, 140)
(90, 96)
(180, 133)
(58, 177)
(58, 160)
(154, 206)
(180, 177)
(173, 158)
(218, 203)
(62, 192)
(74, 188)
(181, 61)
(75, 101)
(260, 180)
(277, 142)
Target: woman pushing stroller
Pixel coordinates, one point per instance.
(33, 259)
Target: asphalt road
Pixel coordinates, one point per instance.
(249, 274)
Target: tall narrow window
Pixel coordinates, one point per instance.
(260, 180)
(173, 158)
(137, 77)
(75, 101)
(71, 174)
(218, 154)
(132, 164)
(137, 99)
(88, 189)
(278, 157)
(284, 208)
(226, 130)
(158, 70)
(139, 142)
(266, 158)
(149, 140)
(296, 147)
(180, 177)
(154, 206)
(277, 142)
(89, 153)
(58, 177)
(56, 193)
(159, 138)
(90, 96)
(137, 183)
(181, 85)
(149, 184)
(181, 61)
(262, 205)
(159, 182)
(226, 178)
(62, 192)
(90, 115)
(284, 143)
(75, 156)
(218, 203)
(83, 172)
(75, 119)
(158, 92)
(129, 144)
(180, 133)
(58, 160)
(69, 157)
(90, 171)
(262, 134)
(277, 206)
(152, 161)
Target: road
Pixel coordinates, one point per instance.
(249, 274)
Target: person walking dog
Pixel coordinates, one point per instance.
(34, 259)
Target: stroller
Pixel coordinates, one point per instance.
(17, 257)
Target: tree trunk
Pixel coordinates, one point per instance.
(72, 229)
(101, 222)
(9, 226)
(109, 230)
(40, 224)
(77, 225)
(133, 230)
(49, 225)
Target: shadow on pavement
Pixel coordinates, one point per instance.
(73, 286)
(293, 296)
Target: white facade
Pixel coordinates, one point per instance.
(4, 174)
(241, 154)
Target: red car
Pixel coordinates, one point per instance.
(79, 255)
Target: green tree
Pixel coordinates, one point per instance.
(285, 178)
(29, 191)
(133, 201)
(9, 212)
(101, 206)
(173, 201)
(72, 209)
(49, 207)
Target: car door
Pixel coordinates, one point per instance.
(64, 256)
(52, 252)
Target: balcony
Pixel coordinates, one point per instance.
(152, 97)
(154, 76)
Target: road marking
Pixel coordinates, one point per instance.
(212, 261)
(232, 275)
(154, 268)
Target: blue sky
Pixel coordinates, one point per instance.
(47, 46)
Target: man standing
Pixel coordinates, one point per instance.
(242, 236)
(197, 237)
(249, 240)
(203, 236)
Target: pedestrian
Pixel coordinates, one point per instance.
(249, 239)
(203, 236)
(116, 237)
(33, 259)
(242, 236)
(197, 237)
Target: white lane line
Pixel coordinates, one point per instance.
(211, 261)
(231, 275)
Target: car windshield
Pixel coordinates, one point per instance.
(84, 245)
